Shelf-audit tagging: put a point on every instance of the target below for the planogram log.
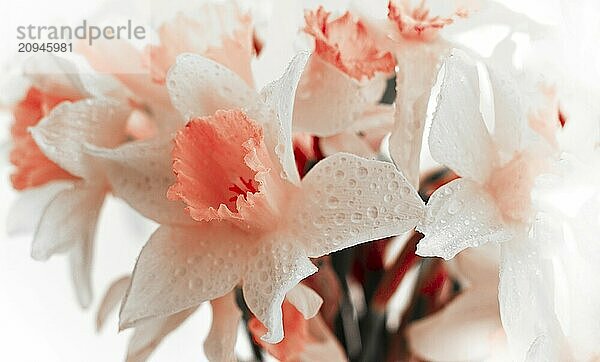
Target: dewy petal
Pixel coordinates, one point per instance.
(181, 267)
(63, 132)
(527, 302)
(459, 138)
(460, 214)
(148, 335)
(280, 95)
(347, 200)
(112, 298)
(199, 87)
(306, 300)
(140, 173)
(70, 218)
(26, 212)
(418, 65)
(278, 266)
(219, 345)
(316, 112)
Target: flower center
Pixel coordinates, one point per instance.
(248, 186)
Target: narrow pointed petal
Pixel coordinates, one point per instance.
(26, 212)
(417, 69)
(112, 299)
(279, 95)
(181, 267)
(140, 173)
(80, 258)
(278, 267)
(220, 342)
(63, 132)
(347, 200)
(148, 335)
(199, 87)
(460, 214)
(459, 138)
(306, 300)
(68, 220)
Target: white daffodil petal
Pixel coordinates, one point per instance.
(220, 342)
(509, 111)
(462, 331)
(279, 95)
(460, 215)
(306, 300)
(148, 335)
(459, 138)
(140, 173)
(63, 132)
(180, 268)
(70, 218)
(279, 265)
(28, 208)
(527, 304)
(112, 298)
(199, 87)
(80, 260)
(316, 111)
(418, 65)
(347, 200)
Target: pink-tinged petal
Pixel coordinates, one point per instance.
(112, 299)
(296, 332)
(220, 342)
(527, 302)
(25, 213)
(460, 214)
(223, 169)
(62, 134)
(459, 138)
(70, 218)
(306, 300)
(128, 68)
(511, 184)
(346, 44)
(315, 110)
(32, 167)
(140, 173)
(220, 32)
(463, 331)
(324, 345)
(279, 95)
(347, 200)
(469, 327)
(276, 266)
(199, 87)
(181, 267)
(416, 23)
(148, 335)
(418, 65)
